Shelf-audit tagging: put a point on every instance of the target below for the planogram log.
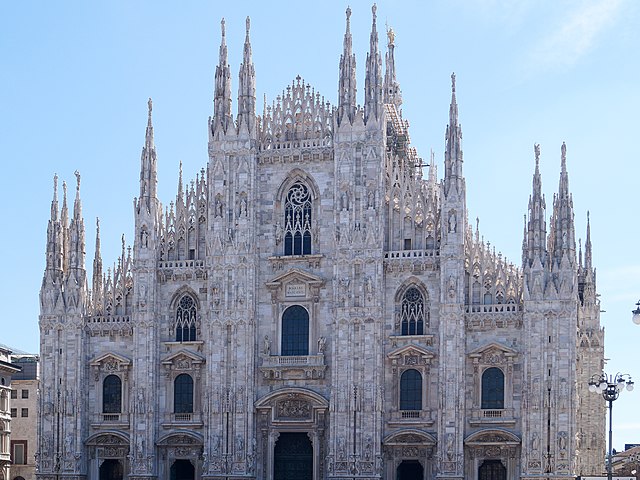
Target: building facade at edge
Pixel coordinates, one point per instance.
(7, 370)
(312, 306)
(24, 412)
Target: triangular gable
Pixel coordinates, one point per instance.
(492, 437)
(110, 357)
(506, 351)
(411, 349)
(175, 357)
(293, 275)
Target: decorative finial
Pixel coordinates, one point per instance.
(536, 149)
(98, 225)
(55, 185)
(563, 151)
(248, 24)
(64, 189)
(374, 8)
(453, 82)
(391, 35)
(123, 242)
(150, 106)
(348, 13)
(222, 27)
(77, 174)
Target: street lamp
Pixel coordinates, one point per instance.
(610, 387)
(636, 314)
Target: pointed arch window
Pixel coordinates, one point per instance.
(411, 390)
(186, 320)
(492, 389)
(297, 221)
(183, 394)
(412, 312)
(295, 331)
(112, 394)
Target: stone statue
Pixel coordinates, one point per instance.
(266, 349)
(452, 222)
(322, 343)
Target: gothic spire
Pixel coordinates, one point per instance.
(222, 95)
(64, 227)
(76, 231)
(563, 239)
(588, 259)
(148, 166)
(373, 79)
(392, 93)
(54, 202)
(97, 288)
(534, 245)
(453, 153)
(180, 188)
(54, 252)
(347, 82)
(247, 88)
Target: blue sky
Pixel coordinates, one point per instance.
(76, 77)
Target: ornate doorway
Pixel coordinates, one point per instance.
(182, 470)
(293, 457)
(111, 470)
(492, 470)
(410, 470)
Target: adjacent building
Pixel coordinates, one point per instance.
(315, 306)
(24, 413)
(7, 370)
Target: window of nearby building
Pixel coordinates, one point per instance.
(412, 313)
(19, 452)
(24, 412)
(112, 394)
(183, 394)
(186, 320)
(25, 393)
(297, 221)
(14, 412)
(295, 331)
(411, 390)
(14, 394)
(492, 389)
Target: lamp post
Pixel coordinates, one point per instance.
(609, 387)
(636, 314)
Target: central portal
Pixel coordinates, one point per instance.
(410, 470)
(293, 457)
(182, 470)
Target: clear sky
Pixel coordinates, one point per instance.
(75, 77)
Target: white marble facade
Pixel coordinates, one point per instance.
(312, 300)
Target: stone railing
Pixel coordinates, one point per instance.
(293, 367)
(430, 253)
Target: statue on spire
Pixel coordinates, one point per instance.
(536, 150)
(453, 82)
(77, 174)
(391, 36)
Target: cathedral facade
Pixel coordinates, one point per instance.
(313, 306)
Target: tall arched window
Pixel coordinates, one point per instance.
(186, 320)
(295, 331)
(112, 394)
(411, 390)
(183, 394)
(492, 388)
(297, 221)
(412, 314)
